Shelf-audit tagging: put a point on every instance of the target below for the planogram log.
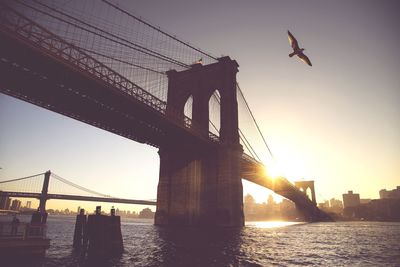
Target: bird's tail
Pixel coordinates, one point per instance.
(292, 54)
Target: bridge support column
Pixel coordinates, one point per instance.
(229, 187)
(202, 188)
(200, 181)
(43, 196)
(182, 193)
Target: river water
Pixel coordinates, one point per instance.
(257, 244)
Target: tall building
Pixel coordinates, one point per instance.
(249, 204)
(336, 204)
(8, 203)
(4, 203)
(15, 204)
(395, 193)
(324, 205)
(351, 200)
(270, 200)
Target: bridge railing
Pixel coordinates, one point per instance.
(27, 31)
(22, 27)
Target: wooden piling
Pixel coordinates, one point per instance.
(103, 235)
(80, 225)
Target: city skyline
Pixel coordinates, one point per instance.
(335, 123)
(90, 207)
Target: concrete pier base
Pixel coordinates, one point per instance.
(200, 182)
(202, 188)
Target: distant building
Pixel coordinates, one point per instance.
(395, 193)
(5, 203)
(336, 204)
(146, 213)
(287, 205)
(324, 205)
(8, 203)
(270, 200)
(249, 205)
(28, 204)
(351, 200)
(387, 209)
(288, 210)
(15, 204)
(365, 200)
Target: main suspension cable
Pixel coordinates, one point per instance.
(255, 122)
(158, 29)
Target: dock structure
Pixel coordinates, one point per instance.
(98, 235)
(24, 239)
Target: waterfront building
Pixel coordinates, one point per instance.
(365, 200)
(351, 200)
(336, 203)
(324, 205)
(395, 193)
(4, 203)
(387, 209)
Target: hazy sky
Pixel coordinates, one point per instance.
(337, 123)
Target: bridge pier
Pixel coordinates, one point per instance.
(202, 188)
(200, 184)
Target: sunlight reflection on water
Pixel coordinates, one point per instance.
(260, 243)
(270, 224)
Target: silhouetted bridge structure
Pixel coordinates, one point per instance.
(41, 187)
(131, 85)
(80, 198)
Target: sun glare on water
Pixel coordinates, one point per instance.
(270, 224)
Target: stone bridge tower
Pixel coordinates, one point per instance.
(198, 184)
(304, 185)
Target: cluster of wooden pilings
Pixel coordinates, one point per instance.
(98, 235)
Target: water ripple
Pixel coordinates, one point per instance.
(257, 244)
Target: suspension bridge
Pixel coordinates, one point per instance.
(98, 63)
(48, 185)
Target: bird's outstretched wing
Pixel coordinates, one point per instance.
(304, 58)
(292, 41)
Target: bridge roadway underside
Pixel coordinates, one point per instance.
(32, 75)
(80, 198)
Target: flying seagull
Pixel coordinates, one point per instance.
(297, 50)
(200, 61)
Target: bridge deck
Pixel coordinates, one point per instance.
(80, 198)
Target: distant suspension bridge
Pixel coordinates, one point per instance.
(48, 185)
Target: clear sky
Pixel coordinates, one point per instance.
(337, 122)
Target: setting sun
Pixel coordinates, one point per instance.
(272, 171)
